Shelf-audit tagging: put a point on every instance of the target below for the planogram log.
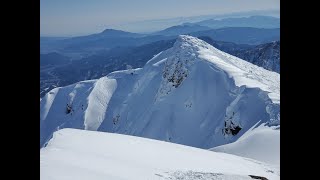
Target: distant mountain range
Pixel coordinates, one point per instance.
(244, 30)
(241, 35)
(159, 24)
(84, 46)
(181, 29)
(252, 21)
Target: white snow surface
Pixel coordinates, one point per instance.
(83, 155)
(187, 95)
(98, 102)
(261, 143)
(243, 72)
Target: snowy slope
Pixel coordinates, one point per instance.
(191, 94)
(84, 155)
(261, 143)
(89, 100)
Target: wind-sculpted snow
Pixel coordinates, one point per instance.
(98, 102)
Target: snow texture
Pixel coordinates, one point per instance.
(83, 155)
(261, 143)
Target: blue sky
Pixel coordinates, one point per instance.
(79, 17)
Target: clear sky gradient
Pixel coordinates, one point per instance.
(79, 17)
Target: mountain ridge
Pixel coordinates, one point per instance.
(171, 99)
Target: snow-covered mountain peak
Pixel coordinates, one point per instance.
(191, 94)
(189, 50)
(184, 41)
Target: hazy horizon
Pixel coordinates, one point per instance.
(75, 18)
(131, 25)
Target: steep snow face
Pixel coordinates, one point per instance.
(83, 155)
(98, 102)
(88, 101)
(192, 94)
